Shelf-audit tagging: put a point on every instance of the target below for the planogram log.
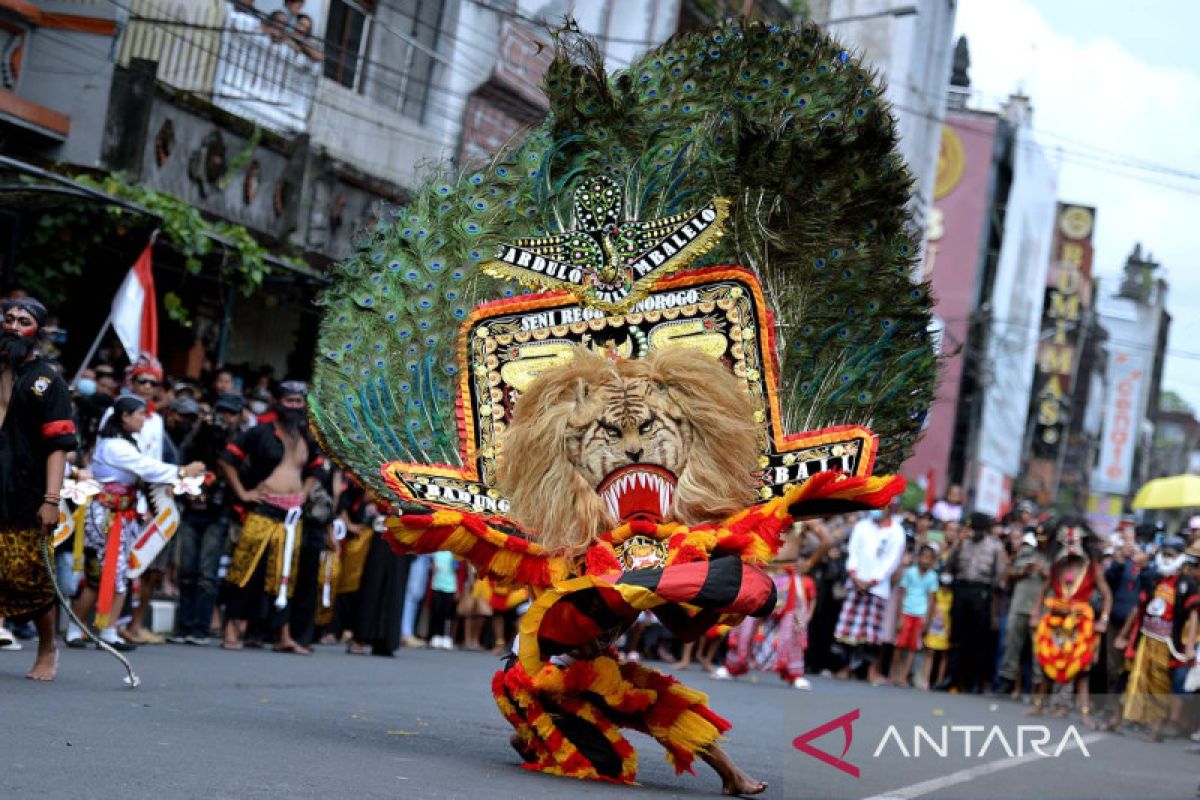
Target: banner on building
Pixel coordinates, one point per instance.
(993, 492)
(1067, 297)
(1128, 369)
(1018, 292)
(954, 254)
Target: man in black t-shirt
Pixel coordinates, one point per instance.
(205, 522)
(37, 430)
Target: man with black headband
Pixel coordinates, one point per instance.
(36, 433)
(270, 470)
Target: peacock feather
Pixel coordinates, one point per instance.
(783, 122)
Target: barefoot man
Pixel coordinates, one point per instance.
(269, 468)
(36, 433)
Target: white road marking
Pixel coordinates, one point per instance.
(971, 773)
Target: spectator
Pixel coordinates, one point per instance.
(222, 384)
(205, 522)
(937, 636)
(302, 40)
(275, 27)
(1025, 576)
(830, 578)
(977, 564)
(917, 586)
(444, 584)
(92, 401)
(414, 598)
(875, 549)
(106, 380)
(949, 508)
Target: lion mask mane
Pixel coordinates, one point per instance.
(677, 410)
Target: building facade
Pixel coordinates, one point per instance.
(1137, 326)
(299, 128)
(986, 255)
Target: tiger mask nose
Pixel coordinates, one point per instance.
(634, 455)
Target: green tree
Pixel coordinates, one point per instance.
(1173, 402)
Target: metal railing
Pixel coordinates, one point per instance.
(263, 78)
(210, 48)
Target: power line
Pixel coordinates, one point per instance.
(311, 98)
(368, 65)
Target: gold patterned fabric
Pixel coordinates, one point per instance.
(263, 537)
(352, 560)
(25, 587)
(1149, 690)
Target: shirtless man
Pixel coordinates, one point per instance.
(269, 469)
(36, 433)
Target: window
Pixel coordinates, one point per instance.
(347, 30)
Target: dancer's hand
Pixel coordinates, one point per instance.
(47, 515)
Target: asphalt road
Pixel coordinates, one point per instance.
(254, 724)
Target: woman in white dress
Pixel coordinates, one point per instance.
(111, 523)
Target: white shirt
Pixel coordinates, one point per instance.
(116, 460)
(945, 511)
(149, 438)
(874, 552)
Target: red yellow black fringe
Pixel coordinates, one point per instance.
(753, 534)
(1062, 662)
(494, 553)
(647, 700)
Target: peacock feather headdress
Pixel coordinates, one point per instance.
(769, 148)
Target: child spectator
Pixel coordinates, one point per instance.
(937, 633)
(918, 583)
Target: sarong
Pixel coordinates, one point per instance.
(861, 620)
(263, 536)
(1148, 693)
(25, 588)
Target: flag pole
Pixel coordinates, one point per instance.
(91, 353)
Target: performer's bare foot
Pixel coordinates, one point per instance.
(734, 782)
(524, 752)
(45, 666)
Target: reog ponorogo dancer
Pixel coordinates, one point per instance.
(37, 431)
(719, 246)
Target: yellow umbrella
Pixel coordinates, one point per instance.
(1178, 491)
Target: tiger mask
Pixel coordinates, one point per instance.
(677, 425)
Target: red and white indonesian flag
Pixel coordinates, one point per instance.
(135, 309)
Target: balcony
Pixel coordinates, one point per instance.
(245, 65)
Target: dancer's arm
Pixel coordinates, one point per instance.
(1106, 597)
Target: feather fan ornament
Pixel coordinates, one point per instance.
(781, 123)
